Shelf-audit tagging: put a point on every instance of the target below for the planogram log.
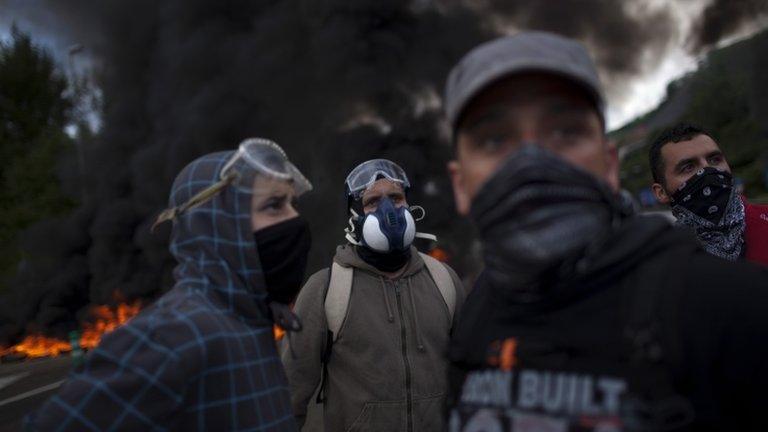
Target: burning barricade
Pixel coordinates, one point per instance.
(104, 319)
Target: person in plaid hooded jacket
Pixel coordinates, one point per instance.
(203, 356)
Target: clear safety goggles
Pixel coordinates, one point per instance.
(366, 174)
(254, 157)
(259, 156)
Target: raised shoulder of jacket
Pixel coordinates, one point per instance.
(340, 290)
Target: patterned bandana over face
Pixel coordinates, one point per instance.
(708, 203)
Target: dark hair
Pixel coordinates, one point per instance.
(679, 132)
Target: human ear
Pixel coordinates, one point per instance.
(612, 165)
(660, 193)
(460, 195)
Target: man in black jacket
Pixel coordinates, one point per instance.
(586, 317)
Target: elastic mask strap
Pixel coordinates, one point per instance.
(426, 236)
(351, 229)
(418, 207)
(200, 198)
(352, 240)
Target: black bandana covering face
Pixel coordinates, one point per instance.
(283, 250)
(708, 203)
(536, 214)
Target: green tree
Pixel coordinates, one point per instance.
(34, 110)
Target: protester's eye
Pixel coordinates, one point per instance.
(716, 160)
(567, 134)
(686, 168)
(371, 203)
(274, 204)
(493, 143)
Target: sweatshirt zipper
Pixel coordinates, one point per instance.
(408, 396)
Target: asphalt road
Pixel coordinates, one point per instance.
(24, 386)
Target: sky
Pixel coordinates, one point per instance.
(638, 95)
(646, 91)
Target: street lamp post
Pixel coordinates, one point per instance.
(71, 53)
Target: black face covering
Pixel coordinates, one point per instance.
(386, 262)
(283, 250)
(708, 203)
(536, 215)
(706, 194)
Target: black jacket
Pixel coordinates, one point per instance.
(702, 344)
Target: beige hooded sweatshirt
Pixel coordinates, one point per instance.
(388, 367)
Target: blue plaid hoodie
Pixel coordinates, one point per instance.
(203, 356)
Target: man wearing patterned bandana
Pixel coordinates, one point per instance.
(691, 175)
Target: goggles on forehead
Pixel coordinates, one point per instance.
(259, 156)
(254, 157)
(366, 174)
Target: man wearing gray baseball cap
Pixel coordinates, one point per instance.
(586, 316)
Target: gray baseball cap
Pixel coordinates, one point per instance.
(523, 52)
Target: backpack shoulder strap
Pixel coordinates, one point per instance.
(443, 280)
(337, 297)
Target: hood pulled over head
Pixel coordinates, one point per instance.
(213, 241)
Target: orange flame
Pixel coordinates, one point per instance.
(37, 345)
(106, 320)
(278, 331)
(439, 254)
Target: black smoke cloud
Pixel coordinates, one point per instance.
(181, 78)
(625, 37)
(722, 18)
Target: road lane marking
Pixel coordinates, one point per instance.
(30, 393)
(10, 379)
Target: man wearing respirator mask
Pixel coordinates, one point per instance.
(377, 323)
